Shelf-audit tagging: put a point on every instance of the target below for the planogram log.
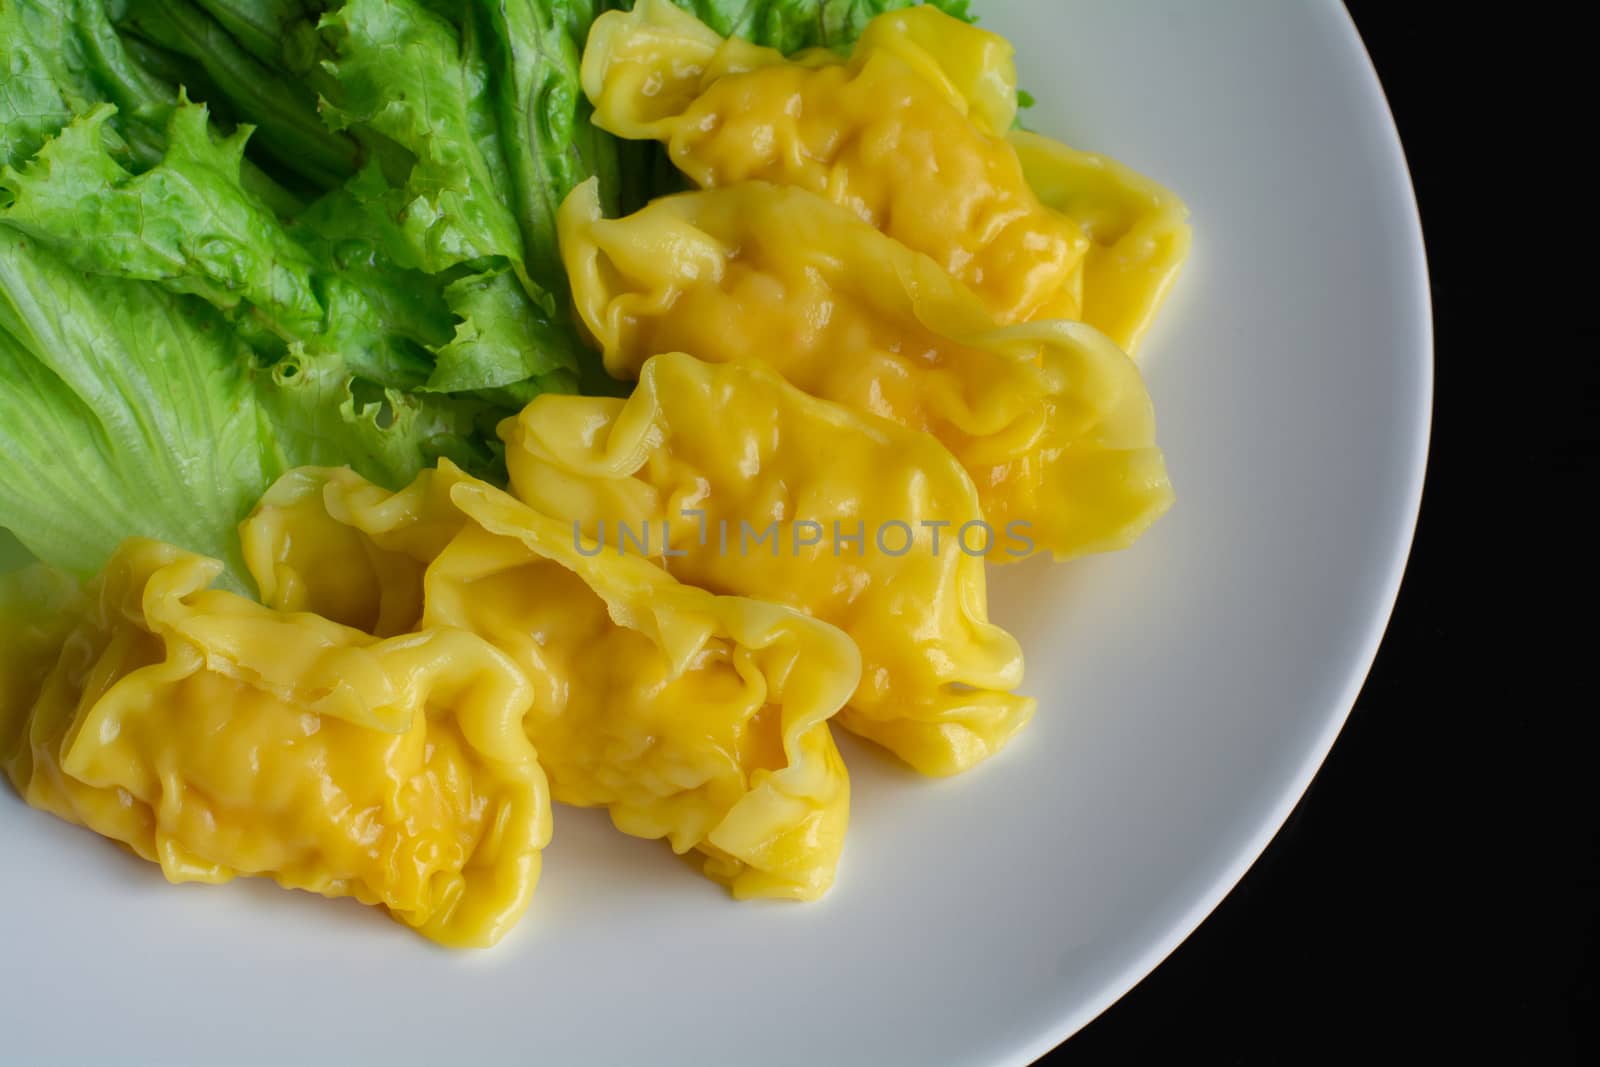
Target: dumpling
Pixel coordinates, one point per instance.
(908, 134)
(39, 606)
(691, 717)
(327, 541)
(1051, 420)
(217, 738)
(914, 135)
(735, 481)
(697, 718)
(1138, 232)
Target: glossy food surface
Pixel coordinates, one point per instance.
(217, 738)
(1050, 419)
(888, 135)
(695, 718)
(736, 481)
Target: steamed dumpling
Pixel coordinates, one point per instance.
(219, 738)
(733, 480)
(909, 133)
(691, 717)
(1138, 232)
(1050, 419)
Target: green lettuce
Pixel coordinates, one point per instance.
(284, 111)
(238, 236)
(122, 412)
(490, 349)
(126, 410)
(406, 73)
(533, 50)
(188, 225)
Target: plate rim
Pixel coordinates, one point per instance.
(1348, 42)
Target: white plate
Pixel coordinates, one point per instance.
(1189, 688)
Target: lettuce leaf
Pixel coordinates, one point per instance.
(126, 410)
(63, 56)
(407, 73)
(121, 413)
(266, 28)
(491, 349)
(283, 110)
(533, 50)
(189, 225)
(478, 205)
(242, 235)
(319, 414)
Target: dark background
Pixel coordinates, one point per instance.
(1435, 890)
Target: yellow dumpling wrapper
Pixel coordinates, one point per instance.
(327, 541)
(909, 133)
(218, 738)
(1051, 420)
(735, 481)
(696, 718)
(888, 134)
(1139, 232)
(39, 606)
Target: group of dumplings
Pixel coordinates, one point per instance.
(883, 308)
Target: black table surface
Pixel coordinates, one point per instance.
(1435, 889)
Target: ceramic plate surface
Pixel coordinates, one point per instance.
(1189, 688)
